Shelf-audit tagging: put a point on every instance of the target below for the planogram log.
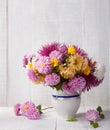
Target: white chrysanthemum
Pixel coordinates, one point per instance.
(99, 70)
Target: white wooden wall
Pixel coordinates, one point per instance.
(28, 24)
(3, 52)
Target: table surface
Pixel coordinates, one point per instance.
(48, 121)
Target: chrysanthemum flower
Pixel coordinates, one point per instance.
(32, 75)
(56, 55)
(66, 72)
(52, 79)
(33, 114)
(54, 62)
(91, 81)
(67, 89)
(99, 71)
(17, 109)
(27, 59)
(77, 83)
(92, 115)
(27, 108)
(81, 52)
(71, 50)
(47, 49)
(87, 70)
(75, 61)
(43, 65)
(63, 49)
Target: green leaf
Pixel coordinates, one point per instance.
(102, 116)
(58, 87)
(72, 119)
(99, 109)
(91, 122)
(95, 125)
(39, 107)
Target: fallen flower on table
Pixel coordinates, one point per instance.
(94, 115)
(28, 109)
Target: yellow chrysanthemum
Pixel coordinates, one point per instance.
(76, 61)
(87, 71)
(40, 79)
(71, 50)
(66, 72)
(54, 62)
(30, 65)
(35, 70)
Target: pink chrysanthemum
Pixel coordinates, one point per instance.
(47, 49)
(92, 115)
(27, 58)
(17, 109)
(77, 83)
(67, 89)
(32, 76)
(27, 108)
(33, 114)
(63, 49)
(52, 79)
(43, 65)
(56, 55)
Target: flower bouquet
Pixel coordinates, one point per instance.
(62, 67)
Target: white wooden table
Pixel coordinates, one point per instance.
(49, 121)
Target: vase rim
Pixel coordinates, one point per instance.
(70, 96)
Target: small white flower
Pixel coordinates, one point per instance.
(99, 70)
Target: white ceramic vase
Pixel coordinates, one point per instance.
(66, 105)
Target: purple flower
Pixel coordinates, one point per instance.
(43, 65)
(17, 109)
(25, 61)
(47, 49)
(27, 108)
(33, 114)
(81, 52)
(52, 79)
(77, 83)
(63, 49)
(91, 81)
(32, 76)
(56, 55)
(67, 89)
(27, 58)
(92, 115)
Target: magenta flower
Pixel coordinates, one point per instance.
(77, 83)
(17, 109)
(92, 115)
(81, 52)
(56, 55)
(43, 65)
(32, 76)
(27, 58)
(33, 114)
(27, 108)
(91, 81)
(52, 79)
(63, 49)
(67, 89)
(47, 49)
(25, 61)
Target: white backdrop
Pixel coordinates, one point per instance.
(28, 24)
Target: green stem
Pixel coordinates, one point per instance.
(47, 108)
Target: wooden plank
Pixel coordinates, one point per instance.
(3, 52)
